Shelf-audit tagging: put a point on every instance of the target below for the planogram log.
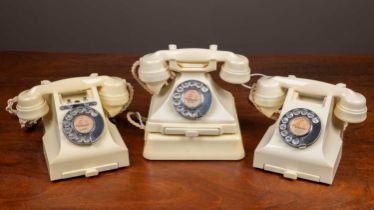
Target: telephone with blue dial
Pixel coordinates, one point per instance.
(79, 139)
(190, 116)
(306, 139)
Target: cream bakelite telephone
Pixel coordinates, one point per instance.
(190, 116)
(79, 139)
(306, 140)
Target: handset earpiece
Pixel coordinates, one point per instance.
(268, 96)
(235, 70)
(351, 107)
(31, 106)
(115, 95)
(153, 71)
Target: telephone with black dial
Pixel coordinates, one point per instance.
(190, 116)
(306, 140)
(79, 139)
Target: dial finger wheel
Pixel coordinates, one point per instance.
(83, 125)
(192, 99)
(299, 127)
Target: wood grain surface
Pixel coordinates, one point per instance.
(24, 182)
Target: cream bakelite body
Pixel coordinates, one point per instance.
(171, 136)
(66, 159)
(334, 104)
(51, 101)
(216, 136)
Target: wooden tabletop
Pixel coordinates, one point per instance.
(24, 181)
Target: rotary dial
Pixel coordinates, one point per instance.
(192, 99)
(299, 127)
(83, 125)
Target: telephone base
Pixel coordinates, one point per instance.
(174, 147)
(318, 165)
(107, 154)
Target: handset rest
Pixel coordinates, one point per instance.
(113, 93)
(350, 107)
(154, 67)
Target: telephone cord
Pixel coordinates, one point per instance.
(130, 88)
(24, 123)
(139, 117)
(134, 72)
(254, 75)
(9, 107)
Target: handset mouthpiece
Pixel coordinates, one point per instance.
(114, 95)
(268, 93)
(351, 107)
(236, 70)
(31, 106)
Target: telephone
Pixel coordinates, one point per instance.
(79, 139)
(306, 140)
(190, 116)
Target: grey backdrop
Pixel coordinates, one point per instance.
(246, 26)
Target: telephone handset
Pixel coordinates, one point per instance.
(190, 116)
(156, 68)
(306, 139)
(270, 92)
(75, 115)
(31, 105)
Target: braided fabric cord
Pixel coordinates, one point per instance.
(9, 107)
(134, 72)
(130, 88)
(140, 118)
(24, 123)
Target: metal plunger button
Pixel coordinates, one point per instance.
(299, 127)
